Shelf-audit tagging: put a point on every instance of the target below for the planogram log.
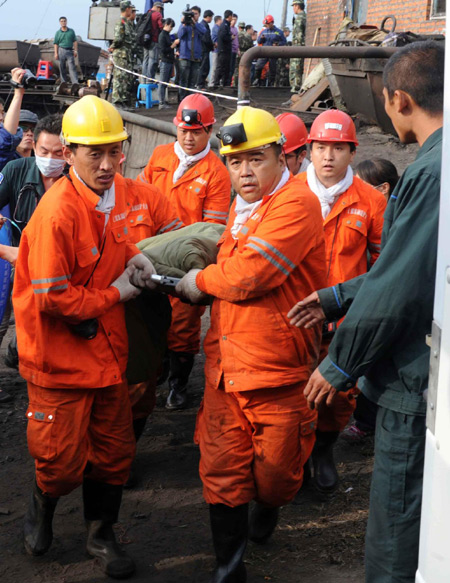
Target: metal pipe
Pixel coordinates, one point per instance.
(366, 52)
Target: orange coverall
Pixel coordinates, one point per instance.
(79, 413)
(202, 194)
(352, 229)
(254, 428)
(149, 213)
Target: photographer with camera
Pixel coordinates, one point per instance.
(191, 34)
(16, 133)
(76, 267)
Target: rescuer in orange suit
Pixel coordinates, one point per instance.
(254, 427)
(295, 148)
(75, 268)
(352, 213)
(198, 186)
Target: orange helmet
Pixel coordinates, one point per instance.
(333, 126)
(268, 19)
(195, 112)
(294, 131)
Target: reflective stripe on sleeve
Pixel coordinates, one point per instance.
(274, 250)
(173, 226)
(215, 215)
(269, 258)
(218, 213)
(50, 279)
(53, 281)
(45, 290)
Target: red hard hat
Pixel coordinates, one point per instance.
(294, 131)
(333, 126)
(203, 116)
(268, 19)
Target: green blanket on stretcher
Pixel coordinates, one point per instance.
(192, 247)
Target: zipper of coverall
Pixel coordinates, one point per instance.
(332, 246)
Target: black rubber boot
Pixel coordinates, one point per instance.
(101, 508)
(133, 478)
(263, 520)
(325, 472)
(229, 532)
(181, 364)
(37, 531)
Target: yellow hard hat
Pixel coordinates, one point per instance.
(249, 128)
(92, 121)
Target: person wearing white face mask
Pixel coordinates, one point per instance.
(23, 182)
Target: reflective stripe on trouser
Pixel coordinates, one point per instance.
(142, 398)
(184, 333)
(254, 444)
(74, 430)
(336, 416)
(392, 537)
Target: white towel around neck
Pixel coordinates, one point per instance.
(244, 210)
(187, 161)
(328, 196)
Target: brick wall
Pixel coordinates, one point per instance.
(411, 15)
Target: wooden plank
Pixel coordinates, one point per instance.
(310, 96)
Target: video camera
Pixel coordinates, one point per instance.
(28, 80)
(188, 15)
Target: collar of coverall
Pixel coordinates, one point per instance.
(244, 209)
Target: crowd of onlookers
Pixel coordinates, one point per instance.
(205, 50)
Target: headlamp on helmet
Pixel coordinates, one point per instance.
(232, 135)
(191, 116)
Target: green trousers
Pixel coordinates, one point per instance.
(392, 537)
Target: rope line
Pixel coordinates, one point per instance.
(168, 84)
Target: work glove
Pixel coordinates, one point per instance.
(187, 287)
(144, 271)
(126, 289)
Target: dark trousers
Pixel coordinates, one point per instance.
(188, 75)
(392, 537)
(204, 70)
(232, 67)
(223, 68)
(365, 414)
(261, 63)
(165, 73)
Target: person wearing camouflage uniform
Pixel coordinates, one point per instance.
(137, 53)
(298, 39)
(283, 65)
(245, 43)
(122, 51)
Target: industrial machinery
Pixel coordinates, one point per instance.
(102, 19)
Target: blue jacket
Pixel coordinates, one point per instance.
(187, 51)
(214, 33)
(8, 145)
(271, 37)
